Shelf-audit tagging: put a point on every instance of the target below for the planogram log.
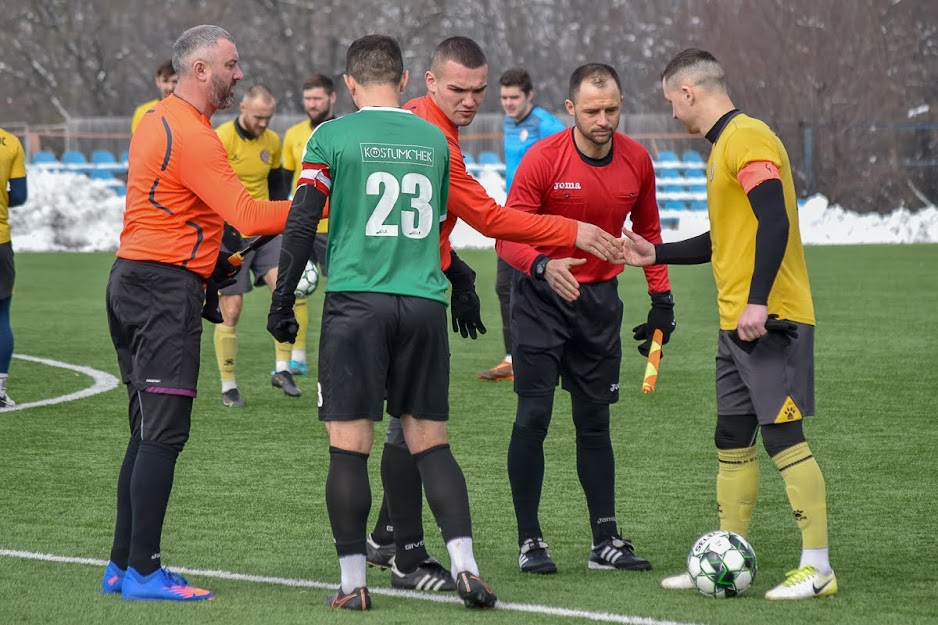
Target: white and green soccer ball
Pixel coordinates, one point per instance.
(308, 281)
(722, 564)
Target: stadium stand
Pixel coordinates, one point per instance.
(467, 158)
(487, 157)
(74, 160)
(46, 160)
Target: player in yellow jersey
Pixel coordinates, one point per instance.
(166, 80)
(765, 349)
(319, 104)
(12, 193)
(254, 153)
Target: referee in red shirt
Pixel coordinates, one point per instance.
(566, 313)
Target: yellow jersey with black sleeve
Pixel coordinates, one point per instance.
(294, 147)
(12, 165)
(743, 141)
(251, 158)
(140, 112)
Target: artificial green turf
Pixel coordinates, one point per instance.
(249, 488)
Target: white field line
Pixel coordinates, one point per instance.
(103, 382)
(530, 608)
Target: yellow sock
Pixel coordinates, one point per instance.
(226, 351)
(737, 488)
(282, 351)
(807, 493)
(301, 310)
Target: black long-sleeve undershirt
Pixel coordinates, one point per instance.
(768, 203)
(298, 236)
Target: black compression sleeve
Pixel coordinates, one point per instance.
(298, 237)
(694, 251)
(768, 203)
(277, 184)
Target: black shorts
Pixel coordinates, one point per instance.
(154, 312)
(374, 346)
(576, 342)
(7, 270)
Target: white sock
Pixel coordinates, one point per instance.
(461, 557)
(298, 355)
(353, 572)
(818, 558)
(227, 385)
(282, 365)
(508, 358)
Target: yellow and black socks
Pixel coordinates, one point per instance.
(737, 488)
(226, 353)
(807, 493)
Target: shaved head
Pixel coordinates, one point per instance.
(695, 67)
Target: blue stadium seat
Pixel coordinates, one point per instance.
(103, 157)
(487, 157)
(667, 156)
(46, 160)
(74, 157)
(123, 159)
(697, 205)
(467, 158)
(692, 156)
(676, 205)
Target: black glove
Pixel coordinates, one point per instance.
(224, 273)
(660, 316)
(784, 327)
(281, 320)
(210, 310)
(465, 307)
(231, 239)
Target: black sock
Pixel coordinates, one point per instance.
(404, 493)
(526, 461)
(150, 486)
(383, 533)
(526, 476)
(596, 466)
(120, 549)
(348, 500)
(446, 491)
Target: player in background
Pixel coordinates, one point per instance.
(12, 193)
(180, 192)
(523, 126)
(566, 315)
(384, 329)
(456, 84)
(765, 347)
(254, 153)
(166, 81)
(319, 104)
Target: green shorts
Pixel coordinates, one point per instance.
(772, 378)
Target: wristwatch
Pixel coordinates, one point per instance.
(539, 267)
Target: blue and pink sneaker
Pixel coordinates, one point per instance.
(161, 585)
(113, 579)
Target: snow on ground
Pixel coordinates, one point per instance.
(69, 212)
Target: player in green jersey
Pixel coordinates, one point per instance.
(384, 331)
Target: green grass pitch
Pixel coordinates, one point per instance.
(249, 492)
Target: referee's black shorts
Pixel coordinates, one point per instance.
(576, 342)
(377, 346)
(154, 313)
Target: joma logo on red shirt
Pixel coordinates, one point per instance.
(566, 185)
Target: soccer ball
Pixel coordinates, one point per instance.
(722, 564)
(308, 281)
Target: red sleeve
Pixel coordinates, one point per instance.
(526, 195)
(469, 201)
(647, 222)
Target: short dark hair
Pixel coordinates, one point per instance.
(598, 74)
(698, 64)
(165, 70)
(320, 81)
(375, 59)
(517, 77)
(461, 50)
